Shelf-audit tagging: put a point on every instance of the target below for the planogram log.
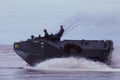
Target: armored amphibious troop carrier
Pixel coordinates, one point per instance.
(38, 49)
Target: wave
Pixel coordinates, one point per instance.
(70, 64)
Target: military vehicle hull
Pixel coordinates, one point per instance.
(34, 51)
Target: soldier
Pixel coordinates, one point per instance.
(32, 36)
(55, 37)
(59, 34)
(46, 34)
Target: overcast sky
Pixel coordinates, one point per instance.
(100, 19)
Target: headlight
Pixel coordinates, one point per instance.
(16, 46)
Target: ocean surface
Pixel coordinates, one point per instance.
(12, 67)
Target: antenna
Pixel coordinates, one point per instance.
(67, 23)
(76, 21)
(74, 25)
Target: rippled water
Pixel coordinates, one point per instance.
(12, 67)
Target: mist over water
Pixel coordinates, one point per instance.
(71, 63)
(116, 57)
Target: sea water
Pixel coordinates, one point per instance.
(12, 67)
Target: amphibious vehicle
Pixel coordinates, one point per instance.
(38, 49)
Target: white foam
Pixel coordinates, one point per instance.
(116, 57)
(71, 63)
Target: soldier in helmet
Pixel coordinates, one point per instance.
(46, 34)
(55, 37)
(58, 35)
